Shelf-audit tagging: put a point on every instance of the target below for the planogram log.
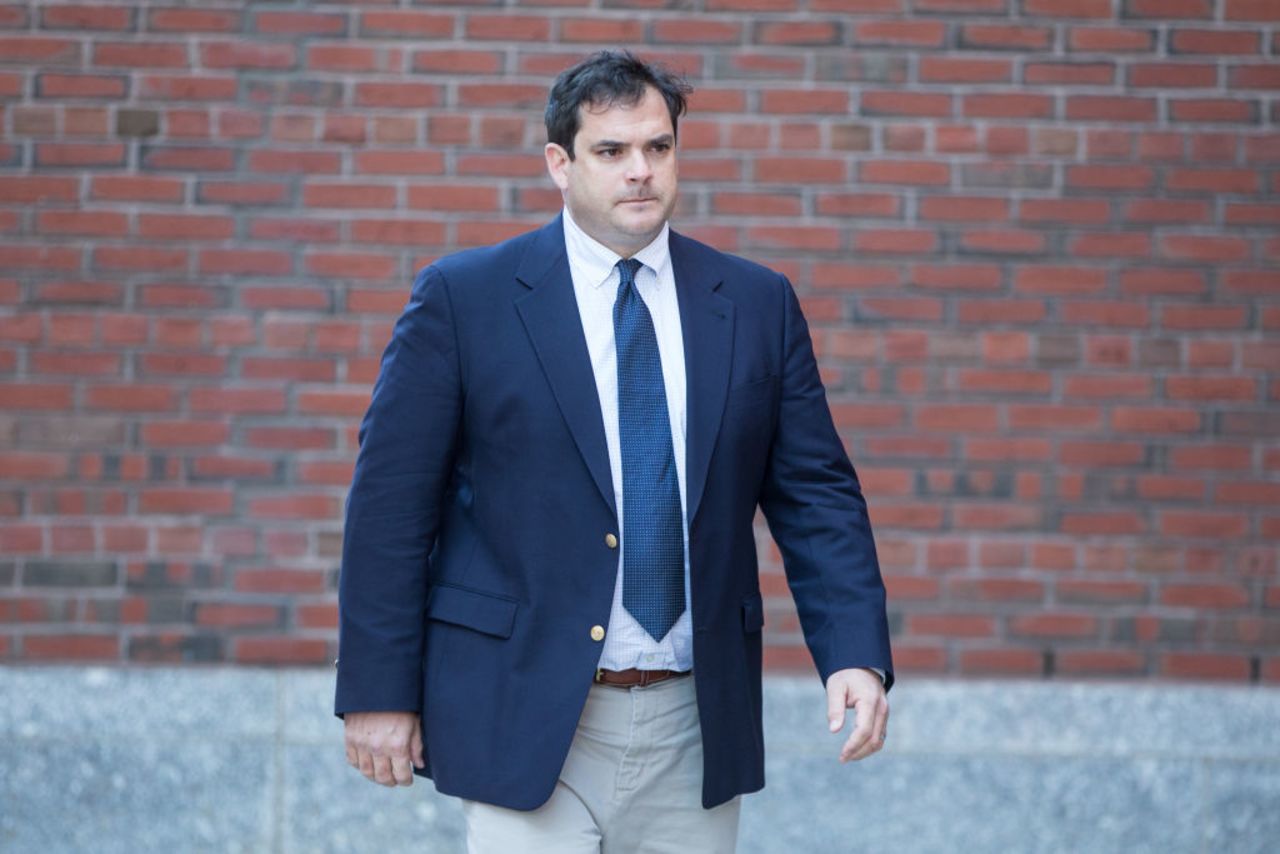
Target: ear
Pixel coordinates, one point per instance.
(558, 163)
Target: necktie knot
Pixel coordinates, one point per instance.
(627, 269)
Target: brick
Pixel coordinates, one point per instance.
(1110, 108)
(70, 574)
(995, 589)
(875, 103)
(890, 33)
(238, 615)
(1251, 10)
(24, 50)
(280, 161)
(141, 54)
(76, 364)
(934, 69)
(696, 31)
(915, 173)
(1100, 592)
(193, 20)
(319, 616)
(1211, 388)
(1054, 625)
(1004, 37)
(508, 28)
(79, 154)
(1001, 661)
(1094, 662)
(71, 647)
(610, 30)
(136, 188)
(188, 87)
(457, 61)
(805, 33)
(1202, 525)
(53, 85)
(246, 54)
(181, 364)
(1222, 110)
(1017, 105)
(172, 226)
(1214, 42)
(263, 262)
(1204, 665)
(301, 23)
(1111, 39)
(279, 581)
(188, 158)
(1205, 596)
(280, 650)
(406, 25)
(347, 403)
(184, 433)
(1167, 9)
(371, 162)
(1168, 421)
(187, 500)
(263, 401)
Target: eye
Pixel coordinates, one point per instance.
(661, 146)
(609, 152)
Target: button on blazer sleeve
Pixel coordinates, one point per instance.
(816, 512)
(408, 440)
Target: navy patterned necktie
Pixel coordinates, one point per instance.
(652, 536)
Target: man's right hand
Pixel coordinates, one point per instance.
(382, 745)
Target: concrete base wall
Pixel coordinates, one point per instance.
(134, 760)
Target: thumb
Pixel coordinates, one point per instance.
(835, 704)
(415, 745)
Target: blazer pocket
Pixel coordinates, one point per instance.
(484, 612)
(751, 392)
(752, 613)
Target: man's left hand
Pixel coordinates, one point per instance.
(862, 690)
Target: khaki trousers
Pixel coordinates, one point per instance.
(632, 784)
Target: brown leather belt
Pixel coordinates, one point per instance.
(634, 678)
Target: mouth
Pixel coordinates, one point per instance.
(643, 201)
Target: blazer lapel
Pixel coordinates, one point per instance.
(706, 321)
(550, 315)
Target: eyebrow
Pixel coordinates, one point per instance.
(610, 143)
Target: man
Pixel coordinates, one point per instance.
(549, 597)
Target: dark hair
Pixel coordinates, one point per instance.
(603, 79)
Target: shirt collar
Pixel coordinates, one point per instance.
(596, 261)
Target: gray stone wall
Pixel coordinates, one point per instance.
(137, 760)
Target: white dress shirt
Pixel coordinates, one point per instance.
(595, 284)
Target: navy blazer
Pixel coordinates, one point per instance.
(475, 561)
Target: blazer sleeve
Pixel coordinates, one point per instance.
(817, 515)
(408, 441)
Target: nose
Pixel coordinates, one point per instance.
(638, 169)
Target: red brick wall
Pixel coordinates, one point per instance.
(1036, 240)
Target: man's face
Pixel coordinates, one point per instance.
(621, 186)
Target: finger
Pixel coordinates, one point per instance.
(881, 733)
(837, 701)
(861, 731)
(401, 770)
(382, 770)
(353, 756)
(365, 760)
(873, 742)
(415, 744)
